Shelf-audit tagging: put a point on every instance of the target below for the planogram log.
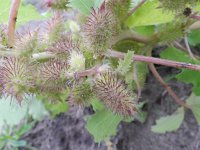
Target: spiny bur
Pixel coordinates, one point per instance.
(119, 8)
(80, 95)
(15, 77)
(63, 47)
(27, 42)
(52, 75)
(99, 29)
(53, 29)
(113, 92)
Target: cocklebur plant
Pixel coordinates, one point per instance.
(103, 65)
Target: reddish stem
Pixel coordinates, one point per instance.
(166, 86)
(194, 16)
(135, 8)
(158, 61)
(12, 21)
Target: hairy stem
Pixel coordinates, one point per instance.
(166, 86)
(12, 21)
(153, 60)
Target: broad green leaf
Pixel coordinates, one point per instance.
(26, 13)
(169, 123)
(103, 124)
(11, 112)
(125, 64)
(189, 76)
(85, 6)
(149, 14)
(194, 37)
(175, 54)
(194, 102)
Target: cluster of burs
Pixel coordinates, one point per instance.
(49, 59)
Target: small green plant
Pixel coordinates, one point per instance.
(101, 58)
(10, 137)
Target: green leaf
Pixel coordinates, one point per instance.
(26, 13)
(175, 54)
(189, 76)
(193, 37)
(37, 109)
(15, 143)
(56, 109)
(125, 64)
(97, 3)
(149, 14)
(25, 128)
(103, 124)
(85, 6)
(2, 144)
(145, 30)
(169, 123)
(97, 105)
(11, 112)
(59, 106)
(194, 102)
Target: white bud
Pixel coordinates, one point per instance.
(76, 61)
